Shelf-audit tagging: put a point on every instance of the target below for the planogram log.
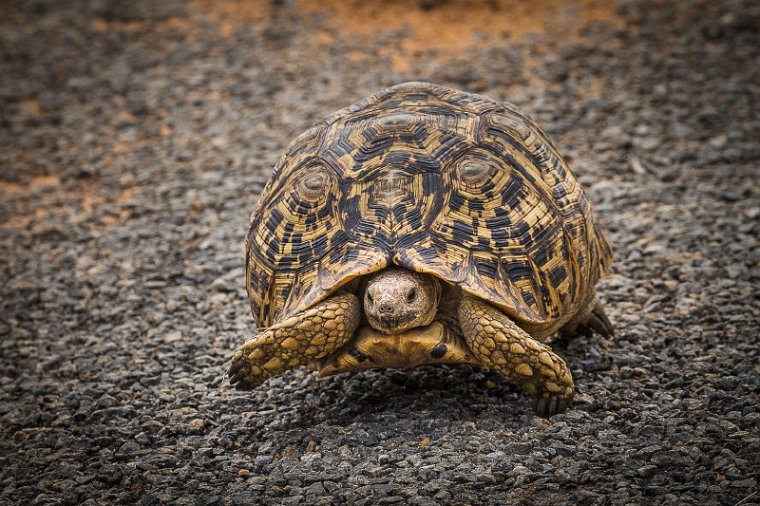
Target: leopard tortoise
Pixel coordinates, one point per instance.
(422, 225)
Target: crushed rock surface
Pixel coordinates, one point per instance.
(134, 141)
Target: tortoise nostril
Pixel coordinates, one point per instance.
(386, 308)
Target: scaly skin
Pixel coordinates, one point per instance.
(591, 318)
(504, 347)
(302, 338)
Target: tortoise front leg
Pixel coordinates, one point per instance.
(503, 346)
(302, 338)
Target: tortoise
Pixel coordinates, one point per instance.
(423, 225)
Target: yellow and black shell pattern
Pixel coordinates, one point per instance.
(434, 180)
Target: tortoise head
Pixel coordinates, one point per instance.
(396, 300)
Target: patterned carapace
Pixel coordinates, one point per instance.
(434, 180)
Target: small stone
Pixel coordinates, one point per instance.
(172, 337)
(646, 471)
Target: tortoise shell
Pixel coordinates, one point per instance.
(434, 180)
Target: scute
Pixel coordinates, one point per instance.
(431, 179)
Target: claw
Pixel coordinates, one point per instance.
(599, 322)
(596, 322)
(550, 406)
(239, 378)
(596, 325)
(234, 368)
(241, 384)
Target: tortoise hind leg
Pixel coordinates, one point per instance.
(500, 344)
(591, 318)
(301, 339)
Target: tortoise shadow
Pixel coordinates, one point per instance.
(453, 394)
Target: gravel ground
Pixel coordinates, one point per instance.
(134, 142)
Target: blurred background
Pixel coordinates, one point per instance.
(135, 137)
